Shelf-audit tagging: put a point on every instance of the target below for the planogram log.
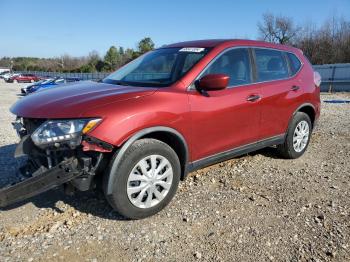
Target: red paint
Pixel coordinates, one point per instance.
(214, 82)
(25, 78)
(210, 124)
(93, 147)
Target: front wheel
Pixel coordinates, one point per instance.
(297, 138)
(145, 180)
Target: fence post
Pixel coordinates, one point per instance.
(332, 79)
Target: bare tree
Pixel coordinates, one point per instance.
(328, 44)
(277, 29)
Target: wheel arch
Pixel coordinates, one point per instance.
(165, 134)
(308, 109)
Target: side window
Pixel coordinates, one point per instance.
(234, 63)
(294, 63)
(270, 64)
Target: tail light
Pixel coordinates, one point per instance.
(317, 78)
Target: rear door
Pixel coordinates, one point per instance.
(229, 118)
(278, 91)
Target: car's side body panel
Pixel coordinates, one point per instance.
(223, 120)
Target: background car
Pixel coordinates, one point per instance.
(24, 90)
(7, 76)
(23, 78)
(4, 70)
(51, 84)
(2, 74)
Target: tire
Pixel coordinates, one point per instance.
(140, 154)
(287, 149)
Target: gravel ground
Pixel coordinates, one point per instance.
(253, 208)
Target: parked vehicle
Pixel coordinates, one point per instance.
(51, 84)
(24, 78)
(4, 70)
(2, 75)
(169, 112)
(26, 89)
(7, 76)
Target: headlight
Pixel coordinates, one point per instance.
(56, 131)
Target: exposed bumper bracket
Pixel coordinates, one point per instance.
(60, 174)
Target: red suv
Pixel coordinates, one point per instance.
(25, 78)
(173, 110)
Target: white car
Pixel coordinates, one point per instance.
(9, 75)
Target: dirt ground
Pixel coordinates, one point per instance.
(254, 208)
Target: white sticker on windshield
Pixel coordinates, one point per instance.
(192, 49)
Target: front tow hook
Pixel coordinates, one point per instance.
(51, 178)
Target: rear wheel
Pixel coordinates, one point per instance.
(298, 137)
(146, 179)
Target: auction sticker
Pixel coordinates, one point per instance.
(192, 49)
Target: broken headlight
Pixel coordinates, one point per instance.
(68, 131)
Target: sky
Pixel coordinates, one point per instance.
(41, 28)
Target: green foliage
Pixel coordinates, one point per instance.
(145, 45)
(114, 58)
(88, 68)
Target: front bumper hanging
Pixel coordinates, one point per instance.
(48, 179)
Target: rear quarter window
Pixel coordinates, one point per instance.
(270, 65)
(294, 62)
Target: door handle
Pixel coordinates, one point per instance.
(295, 88)
(253, 98)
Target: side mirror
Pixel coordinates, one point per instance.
(213, 82)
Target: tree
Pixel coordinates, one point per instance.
(145, 45)
(88, 68)
(112, 59)
(93, 57)
(121, 50)
(277, 29)
(330, 43)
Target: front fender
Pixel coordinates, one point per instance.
(109, 180)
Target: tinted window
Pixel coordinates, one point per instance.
(294, 63)
(270, 64)
(234, 63)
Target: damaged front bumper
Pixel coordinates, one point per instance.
(43, 181)
(47, 168)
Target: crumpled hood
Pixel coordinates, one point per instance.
(72, 100)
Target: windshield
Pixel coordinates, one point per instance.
(157, 68)
(46, 81)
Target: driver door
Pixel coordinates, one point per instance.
(228, 118)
